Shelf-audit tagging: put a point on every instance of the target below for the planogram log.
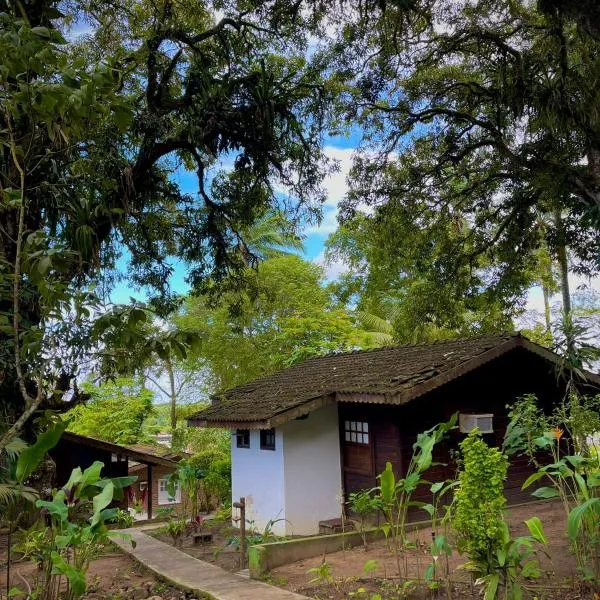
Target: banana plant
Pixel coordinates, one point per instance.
(395, 495)
(72, 530)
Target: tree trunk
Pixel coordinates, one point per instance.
(547, 313)
(173, 395)
(563, 262)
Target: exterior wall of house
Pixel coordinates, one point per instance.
(258, 476)
(312, 471)
(488, 389)
(158, 473)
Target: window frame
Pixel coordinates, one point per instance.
(356, 432)
(267, 444)
(163, 497)
(242, 434)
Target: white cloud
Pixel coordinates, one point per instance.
(535, 298)
(335, 186)
(333, 269)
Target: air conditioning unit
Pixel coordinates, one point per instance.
(483, 422)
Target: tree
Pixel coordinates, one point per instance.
(90, 134)
(286, 314)
(116, 412)
(478, 118)
(404, 285)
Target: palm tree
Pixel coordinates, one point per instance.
(268, 237)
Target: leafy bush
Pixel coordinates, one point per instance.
(78, 515)
(123, 519)
(480, 498)
(176, 528)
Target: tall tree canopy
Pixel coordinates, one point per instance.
(481, 134)
(91, 132)
(284, 315)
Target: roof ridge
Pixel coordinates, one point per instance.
(265, 378)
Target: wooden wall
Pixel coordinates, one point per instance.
(489, 389)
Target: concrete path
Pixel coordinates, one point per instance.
(197, 576)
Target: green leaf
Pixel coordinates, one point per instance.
(545, 492)
(75, 577)
(429, 508)
(370, 565)
(55, 507)
(537, 531)
(387, 486)
(15, 591)
(31, 457)
(491, 586)
(531, 570)
(532, 479)
(101, 501)
(436, 487)
(577, 514)
(90, 477)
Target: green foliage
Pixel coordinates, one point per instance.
(176, 528)
(92, 128)
(568, 437)
(363, 504)
(499, 562)
(117, 412)
(394, 496)
(123, 519)
(480, 498)
(78, 517)
(285, 314)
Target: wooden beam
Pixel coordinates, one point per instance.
(150, 489)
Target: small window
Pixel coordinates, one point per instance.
(483, 422)
(356, 432)
(243, 438)
(163, 495)
(267, 439)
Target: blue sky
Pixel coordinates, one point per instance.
(338, 148)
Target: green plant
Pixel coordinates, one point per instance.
(565, 440)
(123, 519)
(363, 504)
(77, 518)
(480, 499)
(394, 496)
(176, 528)
(17, 462)
(322, 573)
(498, 562)
(223, 513)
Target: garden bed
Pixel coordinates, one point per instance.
(346, 566)
(113, 576)
(219, 551)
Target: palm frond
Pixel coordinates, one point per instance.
(374, 324)
(14, 448)
(13, 492)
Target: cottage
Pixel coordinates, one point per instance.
(305, 437)
(150, 464)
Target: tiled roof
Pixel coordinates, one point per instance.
(393, 374)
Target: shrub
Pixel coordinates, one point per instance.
(480, 498)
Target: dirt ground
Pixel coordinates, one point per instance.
(218, 552)
(347, 566)
(112, 576)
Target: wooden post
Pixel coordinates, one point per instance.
(242, 506)
(149, 490)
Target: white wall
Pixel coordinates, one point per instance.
(312, 471)
(257, 475)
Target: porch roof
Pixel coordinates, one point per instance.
(147, 455)
(391, 375)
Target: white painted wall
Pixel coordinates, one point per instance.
(312, 471)
(299, 482)
(257, 475)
